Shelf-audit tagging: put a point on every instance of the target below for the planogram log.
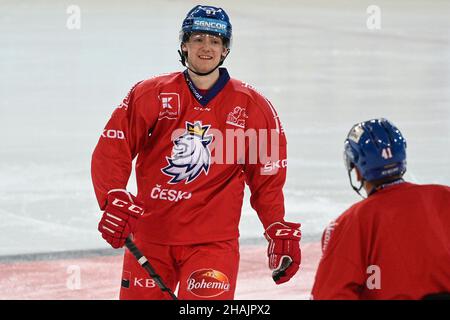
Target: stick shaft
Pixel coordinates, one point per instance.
(148, 267)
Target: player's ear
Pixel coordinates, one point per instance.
(225, 52)
(184, 47)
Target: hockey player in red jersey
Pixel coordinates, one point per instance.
(395, 244)
(198, 136)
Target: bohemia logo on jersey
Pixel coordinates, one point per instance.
(190, 154)
(207, 283)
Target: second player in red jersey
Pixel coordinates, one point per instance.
(396, 243)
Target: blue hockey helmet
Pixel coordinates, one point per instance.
(207, 19)
(377, 148)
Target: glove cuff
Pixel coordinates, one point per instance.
(269, 234)
(124, 191)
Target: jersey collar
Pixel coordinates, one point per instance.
(214, 91)
(385, 185)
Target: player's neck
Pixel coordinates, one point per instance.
(204, 82)
(368, 187)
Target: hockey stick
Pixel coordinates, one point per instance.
(148, 267)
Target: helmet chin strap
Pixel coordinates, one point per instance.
(183, 62)
(358, 190)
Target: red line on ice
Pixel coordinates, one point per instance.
(100, 277)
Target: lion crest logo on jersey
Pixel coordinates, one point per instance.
(190, 154)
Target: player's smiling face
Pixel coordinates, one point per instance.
(204, 51)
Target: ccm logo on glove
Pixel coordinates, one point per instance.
(132, 208)
(119, 219)
(287, 232)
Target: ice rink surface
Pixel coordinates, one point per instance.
(317, 61)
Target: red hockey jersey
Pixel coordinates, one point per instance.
(190, 175)
(393, 245)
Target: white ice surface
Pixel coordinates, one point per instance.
(315, 60)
